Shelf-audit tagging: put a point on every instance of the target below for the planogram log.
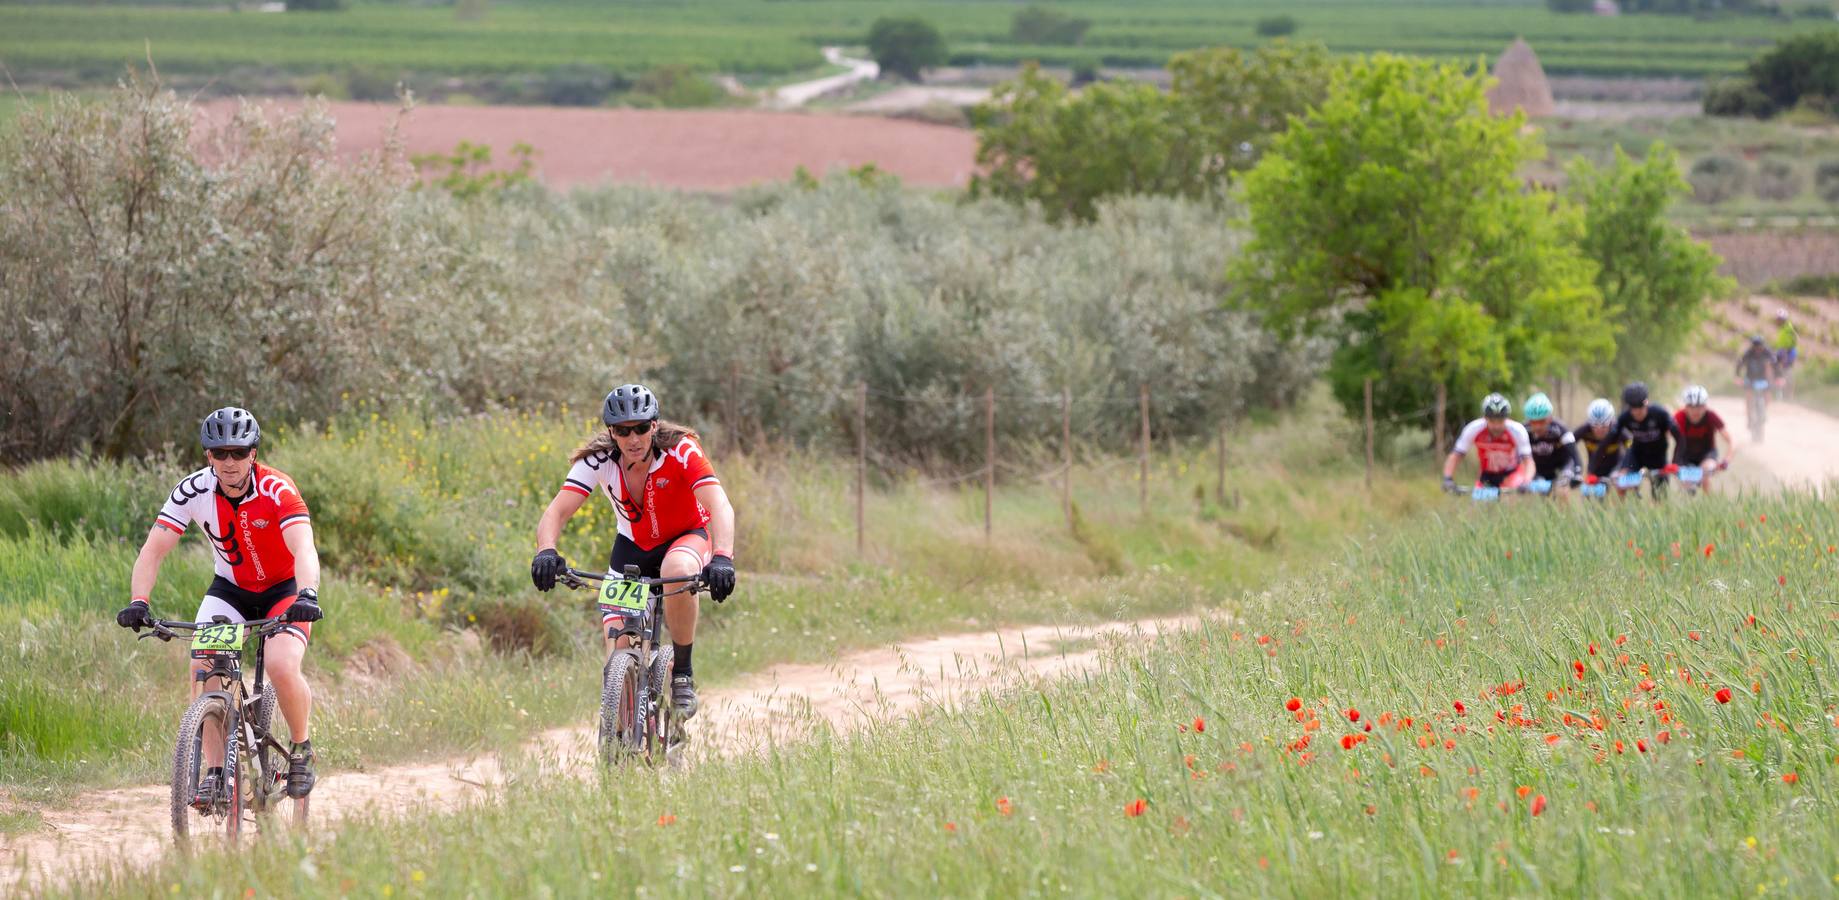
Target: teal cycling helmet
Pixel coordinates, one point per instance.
(1538, 406)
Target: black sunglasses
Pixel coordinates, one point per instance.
(630, 430)
(231, 453)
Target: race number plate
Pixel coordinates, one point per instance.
(1540, 485)
(1594, 490)
(1485, 494)
(218, 640)
(1691, 474)
(1631, 480)
(1761, 384)
(617, 595)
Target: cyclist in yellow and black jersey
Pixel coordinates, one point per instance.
(1604, 441)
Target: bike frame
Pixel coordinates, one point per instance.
(237, 695)
(649, 632)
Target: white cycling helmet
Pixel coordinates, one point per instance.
(1495, 406)
(1601, 412)
(1696, 395)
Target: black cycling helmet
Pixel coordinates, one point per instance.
(629, 403)
(1756, 339)
(229, 428)
(1635, 394)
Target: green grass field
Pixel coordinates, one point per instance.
(95, 42)
(425, 529)
(1520, 700)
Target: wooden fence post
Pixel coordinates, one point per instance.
(1442, 410)
(1219, 492)
(861, 459)
(1143, 454)
(1066, 454)
(1369, 434)
(989, 456)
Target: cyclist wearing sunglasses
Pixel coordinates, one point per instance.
(256, 523)
(674, 519)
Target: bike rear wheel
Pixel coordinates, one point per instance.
(621, 721)
(188, 768)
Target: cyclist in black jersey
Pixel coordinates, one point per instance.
(1602, 439)
(1554, 449)
(1648, 425)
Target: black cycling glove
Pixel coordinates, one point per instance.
(719, 574)
(135, 615)
(305, 607)
(545, 568)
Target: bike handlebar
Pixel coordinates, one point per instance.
(578, 578)
(164, 629)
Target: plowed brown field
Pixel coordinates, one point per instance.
(690, 149)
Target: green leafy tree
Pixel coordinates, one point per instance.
(1801, 67)
(1038, 141)
(1040, 25)
(905, 47)
(1655, 279)
(1392, 218)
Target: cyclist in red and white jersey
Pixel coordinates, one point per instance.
(674, 519)
(256, 522)
(1501, 444)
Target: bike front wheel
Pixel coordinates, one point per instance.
(209, 718)
(622, 725)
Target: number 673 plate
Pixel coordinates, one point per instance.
(620, 595)
(218, 640)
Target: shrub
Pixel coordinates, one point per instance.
(1777, 180)
(1276, 26)
(1716, 179)
(370, 84)
(677, 87)
(578, 85)
(1085, 72)
(1735, 97)
(1040, 25)
(905, 47)
(1801, 66)
(1826, 180)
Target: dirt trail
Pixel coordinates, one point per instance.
(1800, 446)
(779, 704)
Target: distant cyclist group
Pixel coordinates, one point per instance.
(674, 522)
(1626, 444)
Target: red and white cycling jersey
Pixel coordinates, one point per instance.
(1497, 452)
(245, 534)
(669, 508)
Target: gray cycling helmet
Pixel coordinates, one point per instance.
(629, 403)
(229, 428)
(1496, 406)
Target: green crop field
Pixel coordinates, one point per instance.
(93, 42)
(1531, 700)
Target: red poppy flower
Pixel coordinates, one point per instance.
(1790, 778)
(1708, 549)
(1348, 742)
(1781, 580)
(1641, 746)
(1200, 724)
(1353, 715)
(1538, 804)
(1460, 709)
(951, 827)
(1293, 704)
(1664, 736)
(1551, 739)
(1692, 635)
(1647, 684)
(1136, 808)
(1723, 695)
(666, 819)
(1593, 649)
(1004, 806)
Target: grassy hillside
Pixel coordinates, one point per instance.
(425, 529)
(1526, 700)
(94, 42)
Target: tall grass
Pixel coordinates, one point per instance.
(426, 529)
(1537, 692)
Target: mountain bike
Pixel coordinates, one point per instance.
(636, 718)
(255, 765)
